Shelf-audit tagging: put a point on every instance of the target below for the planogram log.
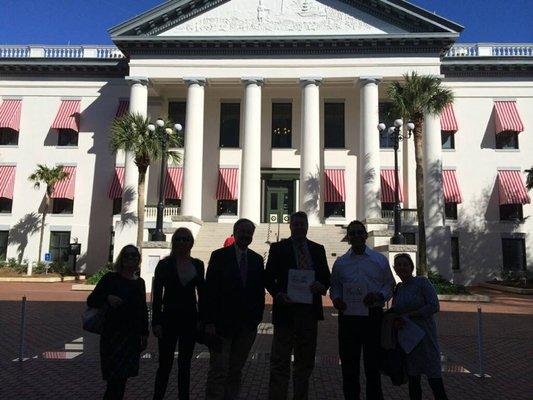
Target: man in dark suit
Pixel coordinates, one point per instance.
(234, 302)
(295, 324)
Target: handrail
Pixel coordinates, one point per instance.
(60, 52)
(490, 50)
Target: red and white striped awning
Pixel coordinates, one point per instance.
(511, 188)
(388, 186)
(117, 185)
(174, 183)
(123, 107)
(507, 117)
(7, 180)
(65, 189)
(10, 114)
(334, 187)
(68, 115)
(448, 122)
(452, 193)
(227, 184)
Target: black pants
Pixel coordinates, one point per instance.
(167, 347)
(436, 385)
(356, 333)
(115, 390)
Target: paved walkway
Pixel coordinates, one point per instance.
(63, 360)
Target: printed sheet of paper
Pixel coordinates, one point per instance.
(410, 335)
(298, 286)
(353, 294)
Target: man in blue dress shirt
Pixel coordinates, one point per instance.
(361, 283)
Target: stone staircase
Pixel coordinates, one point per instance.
(212, 236)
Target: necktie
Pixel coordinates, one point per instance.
(243, 267)
(303, 262)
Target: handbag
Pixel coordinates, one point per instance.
(93, 320)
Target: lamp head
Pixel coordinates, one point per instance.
(151, 127)
(398, 123)
(381, 127)
(168, 131)
(410, 126)
(160, 123)
(178, 127)
(391, 130)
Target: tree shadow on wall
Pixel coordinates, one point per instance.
(312, 187)
(22, 230)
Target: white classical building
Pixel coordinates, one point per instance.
(280, 101)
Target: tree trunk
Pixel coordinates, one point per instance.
(43, 220)
(140, 207)
(419, 151)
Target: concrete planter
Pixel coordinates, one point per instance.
(37, 279)
(82, 287)
(507, 289)
(471, 298)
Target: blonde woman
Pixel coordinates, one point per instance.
(125, 333)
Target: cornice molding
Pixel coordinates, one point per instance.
(72, 68)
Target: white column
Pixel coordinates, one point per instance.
(370, 162)
(250, 190)
(310, 170)
(191, 203)
(126, 232)
(433, 189)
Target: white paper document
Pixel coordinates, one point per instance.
(410, 335)
(353, 294)
(298, 288)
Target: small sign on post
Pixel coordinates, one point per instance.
(47, 257)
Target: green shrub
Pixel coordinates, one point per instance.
(14, 265)
(442, 286)
(60, 268)
(40, 268)
(95, 278)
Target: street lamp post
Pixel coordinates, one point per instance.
(159, 235)
(396, 134)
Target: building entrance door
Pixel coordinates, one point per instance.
(277, 204)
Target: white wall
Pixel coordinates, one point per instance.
(91, 218)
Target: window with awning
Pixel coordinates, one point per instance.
(63, 194)
(334, 193)
(512, 194)
(388, 186)
(67, 123)
(7, 184)
(508, 124)
(448, 127)
(227, 191)
(123, 107)
(174, 183)
(117, 184)
(452, 193)
(10, 121)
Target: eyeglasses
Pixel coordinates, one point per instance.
(182, 239)
(356, 232)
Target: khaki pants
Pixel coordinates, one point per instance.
(300, 337)
(225, 367)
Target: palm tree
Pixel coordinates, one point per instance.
(130, 133)
(49, 177)
(529, 178)
(413, 98)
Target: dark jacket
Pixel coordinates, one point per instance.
(228, 303)
(281, 258)
(175, 305)
(131, 317)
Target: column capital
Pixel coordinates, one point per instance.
(195, 81)
(143, 80)
(253, 81)
(311, 81)
(370, 79)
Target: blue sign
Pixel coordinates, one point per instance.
(47, 257)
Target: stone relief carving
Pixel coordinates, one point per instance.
(278, 16)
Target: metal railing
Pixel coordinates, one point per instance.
(150, 212)
(73, 52)
(491, 50)
(409, 216)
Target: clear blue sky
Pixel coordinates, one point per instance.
(87, 21)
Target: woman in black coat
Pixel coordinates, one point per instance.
(125, 332)
(178, 285)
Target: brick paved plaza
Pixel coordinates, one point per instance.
(63, 360)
